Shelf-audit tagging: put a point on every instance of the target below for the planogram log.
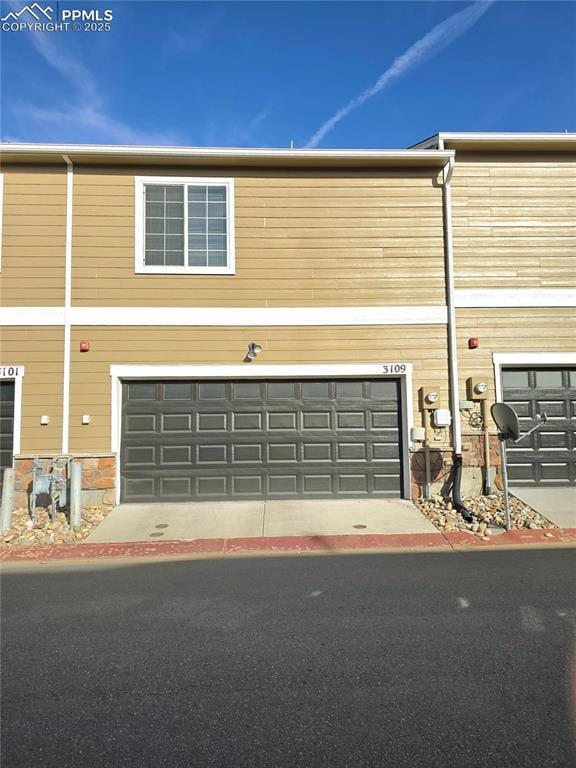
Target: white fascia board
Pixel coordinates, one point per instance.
(506, 136)
(516, 297)
(219, 152)
(258, 316)
(439, 140)
(32, 315)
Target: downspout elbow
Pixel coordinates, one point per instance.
(457, 502)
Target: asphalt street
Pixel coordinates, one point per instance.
(454, 660)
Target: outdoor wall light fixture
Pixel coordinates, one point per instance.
(253, 350)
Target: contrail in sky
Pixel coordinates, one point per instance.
(434, 41)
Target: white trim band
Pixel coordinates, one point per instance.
(31, 315)
(225, 316)
(516, 297)
(258, 371)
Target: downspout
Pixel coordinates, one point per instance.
(452, 346)
(67, 305)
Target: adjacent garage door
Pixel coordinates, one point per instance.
(260, 439)
(6, 426)
(548, 457)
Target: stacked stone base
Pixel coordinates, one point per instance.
(98, 479)
(473, 468)
(99, 473)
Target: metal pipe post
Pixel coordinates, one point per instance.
(487, 484)
(75, 495)
(428, 484)
(7, 500)
(507, 523)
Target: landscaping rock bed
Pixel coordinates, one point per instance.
(45, 531)
(488, 512)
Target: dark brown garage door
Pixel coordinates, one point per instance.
(6, 426)
(547, 457)
(260, 439)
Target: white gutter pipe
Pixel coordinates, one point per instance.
(67, 305)
(452, 345)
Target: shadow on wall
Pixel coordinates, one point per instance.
(440, 472)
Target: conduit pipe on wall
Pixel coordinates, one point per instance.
(67, 304)
(452, 346)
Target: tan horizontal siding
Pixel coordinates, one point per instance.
(40, 351)
(423, 346)
(33, 236)
(303, 238)
(510, 330)
(514, 219)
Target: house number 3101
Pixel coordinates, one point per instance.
(8, 371)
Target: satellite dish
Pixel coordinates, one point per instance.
(506, 420)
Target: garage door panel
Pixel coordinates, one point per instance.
(176, 454)
(140, 423)
(141, 454)
(259, 439)
(548, 456)
(554, 471)
(175, 486)
(7, 396)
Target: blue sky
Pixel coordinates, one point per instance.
(268, 73)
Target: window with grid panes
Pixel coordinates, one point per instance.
(186, 225)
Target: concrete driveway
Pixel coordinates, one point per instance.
(556, 504)
(232, 519)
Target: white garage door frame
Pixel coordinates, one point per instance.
(15, 373)
(530, 359)
(389, 370)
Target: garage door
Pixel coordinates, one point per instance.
(260, 439)
(548, 457)
(6, 425)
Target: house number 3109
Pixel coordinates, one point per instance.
(394, 368)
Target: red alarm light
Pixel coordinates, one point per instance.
(84, 346)
(473, 342)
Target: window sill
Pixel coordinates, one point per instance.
(185, 271)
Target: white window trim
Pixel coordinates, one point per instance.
(213, 181)
(17, 377)
(530, 359)
(119, 373)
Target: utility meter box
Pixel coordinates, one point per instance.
(476, 388)
(429, 398)
(441, 417)
(418, 434)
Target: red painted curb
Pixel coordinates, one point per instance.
(285, 544)
(127, 549)
(514, 538)
(225, 546)
(327, 543)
